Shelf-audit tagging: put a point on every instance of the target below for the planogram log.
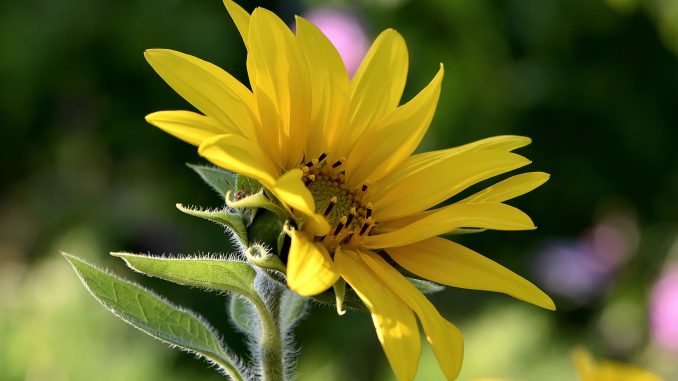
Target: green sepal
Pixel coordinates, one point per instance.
(351, 299)
(233, 221)
(339, 288)
(267, 229)
(426, 286)
(157, 317)
(218, 274)
(260, 256)
(220, 180)
(245, 187)
(255, 201)
(242, 315)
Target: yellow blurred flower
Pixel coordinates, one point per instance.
(336, 152)
(606, 370)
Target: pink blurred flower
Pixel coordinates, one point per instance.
(346, 32)
(664, 309)
(582, 269)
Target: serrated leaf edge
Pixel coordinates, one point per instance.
(238, 233)
(227, 362)
(215, 257)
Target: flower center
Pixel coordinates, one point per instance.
(349, 216)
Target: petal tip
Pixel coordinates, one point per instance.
(549, 304)
(154, 52)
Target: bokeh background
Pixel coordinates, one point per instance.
(593, 82)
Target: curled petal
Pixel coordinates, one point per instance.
(310, 269)
(294, 194)
(237, 154)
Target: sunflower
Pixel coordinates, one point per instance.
(588, 369)
(337, 154)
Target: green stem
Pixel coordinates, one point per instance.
(270, 342)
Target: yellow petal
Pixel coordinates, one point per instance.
(378, 84)
(282, 88)
(188, 126)
(382, 148)
(208, 88)
(393, 320)
(237, 154)
(495, 216)
(292, 192)
(330, 90)
(590, 370)
(499, 143)
(418, 187)
(454, 265)
(584, 365)
(310, 269)
(510, 188)
(240, 17)
(443, 336)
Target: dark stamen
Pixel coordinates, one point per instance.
(364, 228)
(364, 187)
(330, 205)
(368, 212)
(339, 227)
(322, 157)
(337, 163)
(350, 218)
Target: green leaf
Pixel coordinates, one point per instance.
(156, 316)
(207, 273)
(218, 179)
(292, 309)
(242, 315)
(425, 286)
(222, 217)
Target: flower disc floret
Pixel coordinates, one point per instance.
(348, 215)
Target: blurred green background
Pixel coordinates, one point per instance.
(594, 83)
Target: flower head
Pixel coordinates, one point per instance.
(664, 309)
(605, 370)
(336, 153)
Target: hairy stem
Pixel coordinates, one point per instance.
(270, 343)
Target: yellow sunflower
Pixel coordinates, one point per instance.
(337, 154)
(605, 370)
